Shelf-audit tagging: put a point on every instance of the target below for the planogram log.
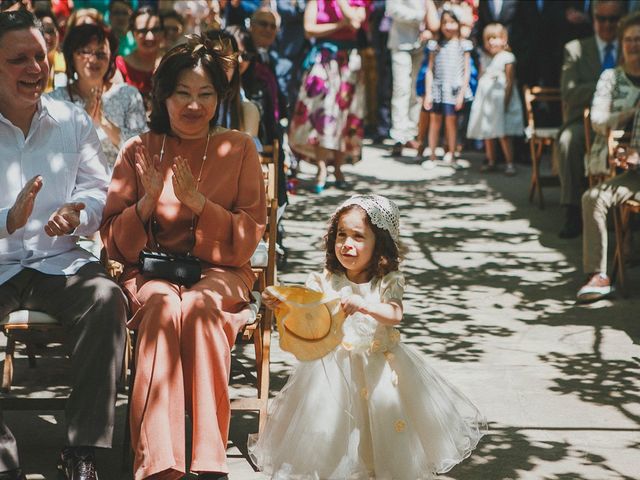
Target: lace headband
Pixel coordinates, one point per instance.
(382, 212)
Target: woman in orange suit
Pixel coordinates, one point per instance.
(185, 187)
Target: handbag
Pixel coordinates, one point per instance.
(181, 269)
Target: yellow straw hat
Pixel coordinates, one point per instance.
(309, 323)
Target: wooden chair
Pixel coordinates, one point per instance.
(30, 327)
(618, 142)
(260, 331)
(622, 226)
(539, 137)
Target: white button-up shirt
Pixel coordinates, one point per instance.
(62, 146)
(407, 21)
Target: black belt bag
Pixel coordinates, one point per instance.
(181, 269)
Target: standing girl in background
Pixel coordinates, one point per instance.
(371, 408)
(496, 112)
(446, 85)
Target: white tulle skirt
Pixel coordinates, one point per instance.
(384, 415)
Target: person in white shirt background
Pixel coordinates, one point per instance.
(53, 190)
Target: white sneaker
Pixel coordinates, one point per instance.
(428, 164)
(597, 287)
(448, 157)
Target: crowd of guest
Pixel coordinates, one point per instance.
(160, 87)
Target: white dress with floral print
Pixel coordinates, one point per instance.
(372, 408)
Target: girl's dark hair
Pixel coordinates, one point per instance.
(197, 52)
(81, 36)
(145, 10)
(233, 106)
(386, 254)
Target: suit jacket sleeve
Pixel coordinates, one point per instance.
(576, 89)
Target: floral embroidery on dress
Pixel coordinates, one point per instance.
(400, 426)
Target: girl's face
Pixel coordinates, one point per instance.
(355, 242)
(91, 62)
(494, 44)
(193, 103)
(449, 27)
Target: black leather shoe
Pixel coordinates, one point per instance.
(396, 151)
(78, 463)
(213, 476)
(12, 475)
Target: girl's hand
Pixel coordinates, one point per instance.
(459, 102)
(149, 173)
(269, 300)
(427, 103)
(185, 186)
(352, 304)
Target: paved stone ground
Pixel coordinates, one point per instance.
(490, 303)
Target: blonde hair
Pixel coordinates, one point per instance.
(496, 30)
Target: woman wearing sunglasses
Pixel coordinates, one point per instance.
(137, 67)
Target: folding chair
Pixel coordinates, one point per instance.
(539, 137)
(260, 331)
(618, 142)
(29, 327)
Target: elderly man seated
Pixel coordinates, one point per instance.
(584, 60)
(53, 189)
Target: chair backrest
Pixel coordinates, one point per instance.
(588, 130)
(537, 94)
(269, 158)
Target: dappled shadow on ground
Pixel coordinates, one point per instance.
(507, 453)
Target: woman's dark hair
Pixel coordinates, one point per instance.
(81, 36)
(146, 10)
(386, 254)
(250, 82)
(233, 105)
(20, 19)
(176, 16)
(112, 4)
(198, 51)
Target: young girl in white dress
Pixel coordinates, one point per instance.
(496, 112)
(371, 408)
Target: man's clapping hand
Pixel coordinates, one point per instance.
(23, 207)
(64, 220)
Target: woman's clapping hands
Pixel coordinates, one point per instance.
(185, 185)
(149, 172)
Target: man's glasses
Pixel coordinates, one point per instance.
(145, 31)
(172, 29)
(100, 55)
(49, 29)
(265, 24)
(607, 18)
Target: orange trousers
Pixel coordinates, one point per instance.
(183, 357)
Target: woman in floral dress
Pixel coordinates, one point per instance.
(327, 125)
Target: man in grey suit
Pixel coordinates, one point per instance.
(584, 60)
